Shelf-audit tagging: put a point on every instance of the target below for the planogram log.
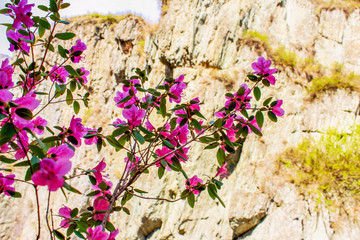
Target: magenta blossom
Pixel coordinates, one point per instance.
(240, 99)
(92, 140)
(177, 89)
(262, 66)
(162, 152)
(83, 76)
(38, 125)
(5, 182)
(76, 51)
(193, 184)
(222, 172)
(277, 110)
(22, 13)
(132, 84)
(99, 168)
(120, 96)
(51, 173)
(6, 72)
(18, 43)
(149, 126)
(134, 115)
(65, 212)
(75, 131)
(113, 234)
(230, 132)
(97, 234)
(60, 153)
(100, 204)
(118, 121)
(58, 74)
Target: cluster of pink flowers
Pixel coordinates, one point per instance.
(54, 167)
(5, 183)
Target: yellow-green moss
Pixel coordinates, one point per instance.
(337, 79)
(329, 166)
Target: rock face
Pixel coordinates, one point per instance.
(203, 41)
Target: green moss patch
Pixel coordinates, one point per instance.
(328, 167)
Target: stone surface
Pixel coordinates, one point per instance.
(202, 40)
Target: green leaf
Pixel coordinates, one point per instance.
(71, 70)
(71, 189)
(14, 194)
(51, 139)
(69, 97)
(72, 86)
(191, 200)
(109, 226)
(78, 234)
(139, 191)
(65, 35)
(252, 77)
(257, 93)
(43, 8)
(24, 113)
(37, 151)
(196, 124)
(259, 118)
(254, 129)
(92, 180)
(126, 210)
(7, 160)
(76, 107)
(22, 164)
(7, 132)
(139, 137)
(103, 186)
(220, 155)
(161, 171)
(163, 107)
(64, 5)
(74, 212)
(168, 144)
(272, 116)
(53, 6)
(44, 23)
(70, 229)
(125, 99)
(218, 123)
(61, 51)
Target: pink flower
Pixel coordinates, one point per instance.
(65, 212)
(240, 99)
(97, 234)
(51, 173)
(83, 76)
(262, 66)
(94, 139)
(75, 131)
(18, 44)
(5, 182)
(193, 184)
(58, 74)
(162, 152)
(61, 153)
(134, 115)
(132, 84)
(149, 126)
(177, 89)
(118, 121)
(113, 234)
(231, 132)
(277, 110)
(6, 72)
(222, 172)
(120, 96)
(99, 168)
(5, 97)
(252, 122)
(38, 125)
(22, 14)
(100, 204)
(221, 114)
(77, 50)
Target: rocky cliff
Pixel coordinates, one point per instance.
(205, 40)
